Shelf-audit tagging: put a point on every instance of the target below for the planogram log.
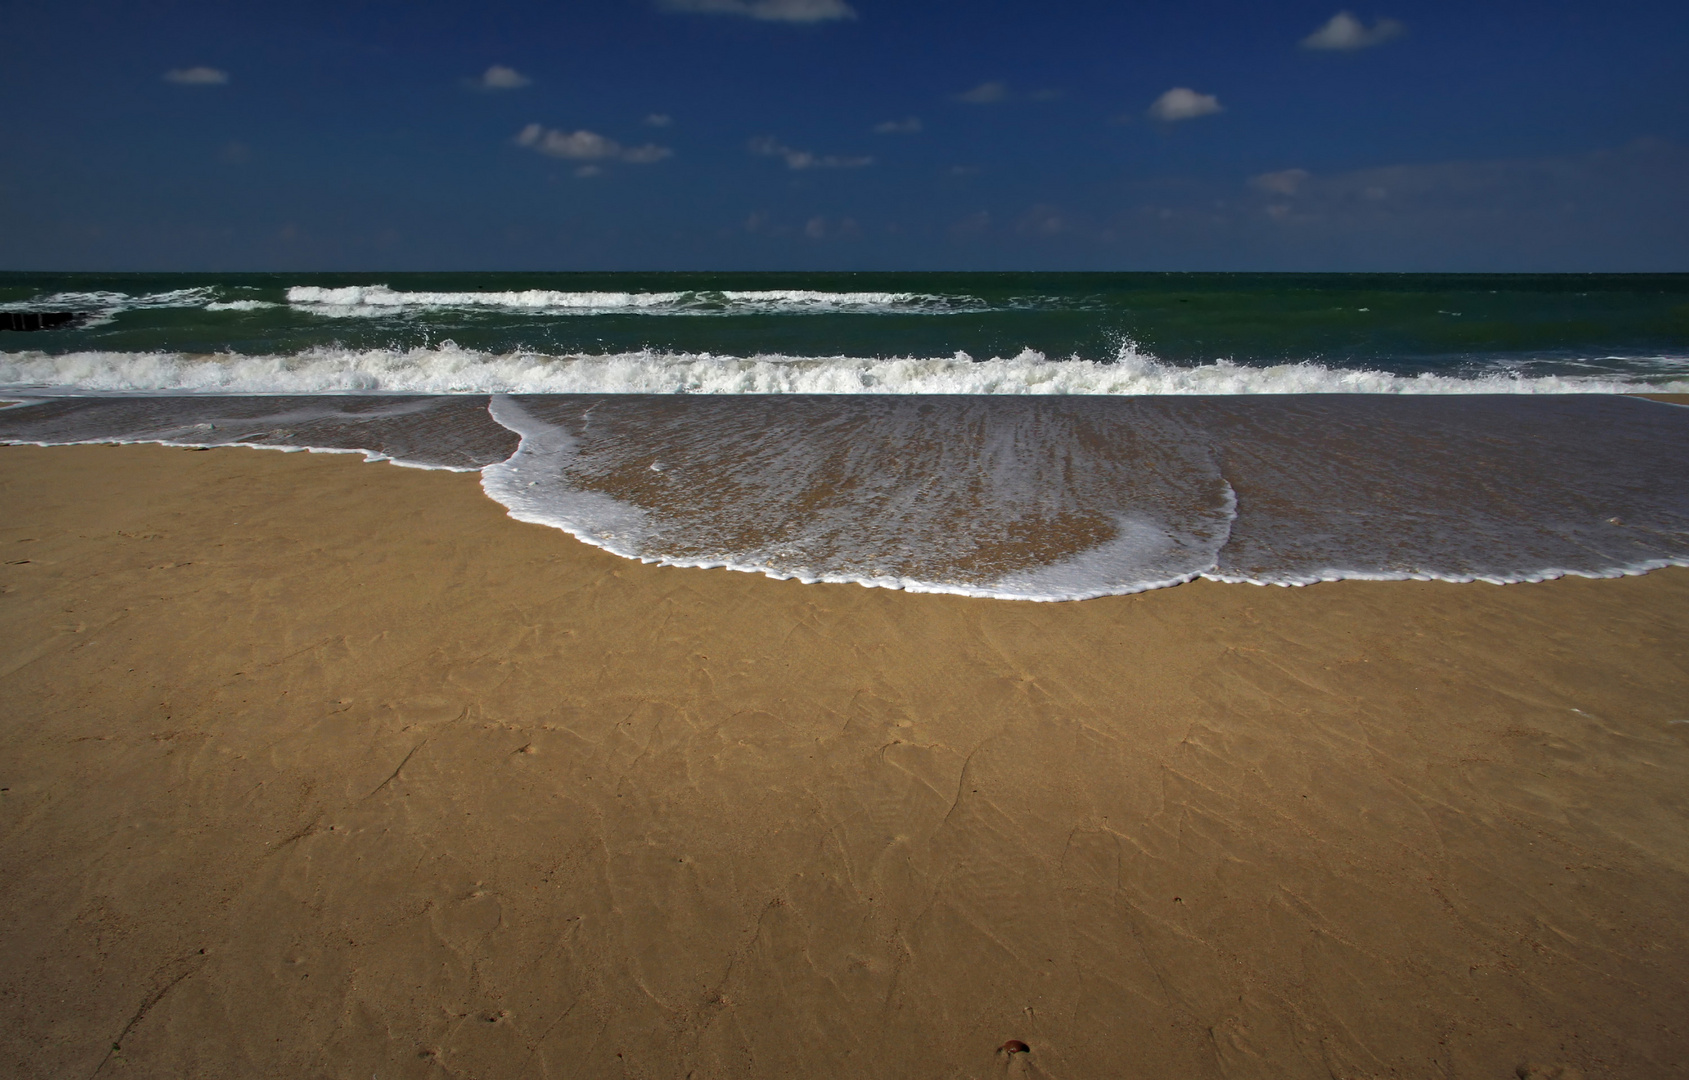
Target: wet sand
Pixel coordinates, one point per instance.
(320, 768)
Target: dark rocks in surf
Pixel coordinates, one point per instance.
(39, 320)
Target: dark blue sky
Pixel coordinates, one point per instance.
(741, 134)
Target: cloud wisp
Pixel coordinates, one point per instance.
(658, 120)
(986, 93)
(197, 76)
(1283, 182)
(785, 11)
(910, 125)
(1183, 103)
(500, 77)
(587, 146)
(1345, 33)
(769, 146)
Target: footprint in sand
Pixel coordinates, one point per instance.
(1017, 1060)
(1532, 1071)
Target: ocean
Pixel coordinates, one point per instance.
(1021, 436)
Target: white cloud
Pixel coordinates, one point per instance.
(985, 93)
(196, 76)
(1183, 103)
(1283, 182)
(658, 119)
(908, 126)
(1346, 33)
(499, 77)
(587, 146)
(769, 146)
(787, 11)
(645, 155)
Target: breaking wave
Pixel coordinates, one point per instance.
(374, 301)
(449, 369)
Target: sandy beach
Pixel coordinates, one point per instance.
(313, 767)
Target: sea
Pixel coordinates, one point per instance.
(1025, 436)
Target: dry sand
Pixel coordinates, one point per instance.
(319, 768)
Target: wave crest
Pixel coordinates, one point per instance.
(375, 301)
(449, 369)
(104, 306)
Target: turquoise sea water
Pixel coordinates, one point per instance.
(1036, 436)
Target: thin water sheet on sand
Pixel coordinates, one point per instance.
(440, 431)
(1025, 498)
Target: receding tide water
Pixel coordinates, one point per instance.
(1032, 436)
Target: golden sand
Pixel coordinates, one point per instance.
(319, 768)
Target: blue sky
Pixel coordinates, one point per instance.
(846, 134)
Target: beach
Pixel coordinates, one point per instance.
(322, 768)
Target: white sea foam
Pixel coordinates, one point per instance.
(102, 300)
(532, 487)
(240, 305)
(914, 517)
(448, 369)
(1635, 568)
(1141, 548)
(375, 301)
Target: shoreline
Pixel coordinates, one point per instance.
(323, 767)
(1101, 497)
